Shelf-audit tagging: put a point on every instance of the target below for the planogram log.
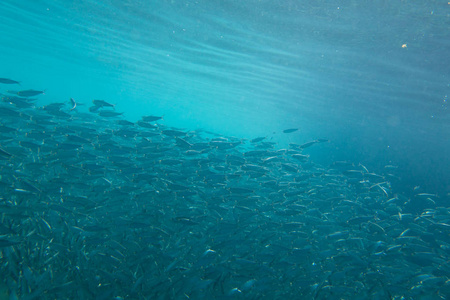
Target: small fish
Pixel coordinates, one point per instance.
(151, 118)
(94, 108)
(109, 114)
(8, 81)
(146, 125)
(300, 157)
(29, 93)
(395, 167)
(6, 243)
(306, 145)
(4, 153)
(125, 123)
(77, 139)
(6, 129)
(173, 132)
(101, 103)
(248, 285)
(290, 130)
(54, 106)
(240, 190)
(185, 221)
(258, 139)
(73, 103)
(234, 292)
(182, 143)
(426, 195)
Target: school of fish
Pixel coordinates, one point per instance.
(93, 206)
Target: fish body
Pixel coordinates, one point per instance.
(102, 103)
(8, 81)
(173, 133)
(309, 144)
(29, 93)
(7, 243)
(125, 123)
(258, 139)
(4, 153)
(73, 103)
(290, 130)
(151, 118)
(146, 125)
(109, 114)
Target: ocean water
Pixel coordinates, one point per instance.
(371, 77)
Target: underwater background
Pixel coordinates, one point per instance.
(372, 76)
(367, 81)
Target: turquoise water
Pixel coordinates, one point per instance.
(248, 69)
(124, 211)
(373, 77)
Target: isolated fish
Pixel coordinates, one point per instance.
(73, 104)
(309, 144)
(8, 81)
(290, 130)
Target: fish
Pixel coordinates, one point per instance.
(102, 103)
(29, 93)
(4, 153)
(94, 108)
(73, 103)
(125, 123)
(258, 139)
(151, 118)
(183, 143)
(290, 130)
(54, 106)
(8, 81)
(143, 210)
(174, 133)
(300, 157)
(6, 129)
(308, 144)
(109, 114)
(7, 243)
(146, 125)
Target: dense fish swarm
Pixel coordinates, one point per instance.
(96, 207)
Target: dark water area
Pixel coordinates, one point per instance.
(224, 149)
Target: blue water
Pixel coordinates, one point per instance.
(373, 77)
